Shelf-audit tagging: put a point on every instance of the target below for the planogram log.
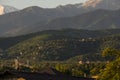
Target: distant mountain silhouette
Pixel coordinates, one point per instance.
(34, 18)
(14, 22)
(95, 20)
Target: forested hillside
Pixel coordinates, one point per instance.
(60, 44)
(6, 42)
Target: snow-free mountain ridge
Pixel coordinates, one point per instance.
(35, 18)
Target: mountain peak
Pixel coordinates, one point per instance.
(91, 3)
(6, 9)
(102, 4)
(1, 10)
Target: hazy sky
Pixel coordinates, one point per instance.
(42, 3)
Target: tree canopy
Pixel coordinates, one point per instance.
(112, 70)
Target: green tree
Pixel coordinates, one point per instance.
(112, 70)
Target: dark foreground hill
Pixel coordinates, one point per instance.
(39, 76)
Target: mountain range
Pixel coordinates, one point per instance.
(95, 20)
(93, 14)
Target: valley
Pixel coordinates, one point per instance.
(74, 41)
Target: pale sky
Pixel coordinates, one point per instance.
(42, 3)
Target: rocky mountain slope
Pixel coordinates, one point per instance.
(95, 20)
(7, 9)
(102, 4)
